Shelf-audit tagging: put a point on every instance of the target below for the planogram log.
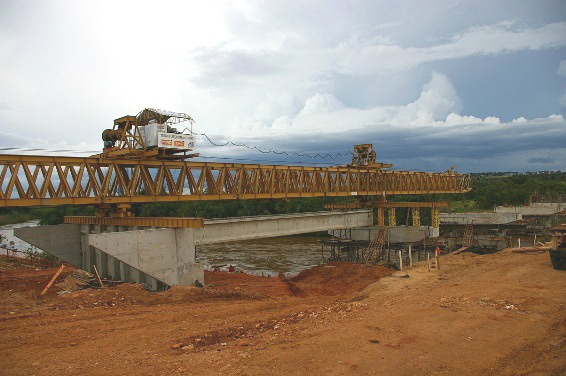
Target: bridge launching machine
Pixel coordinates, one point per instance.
(149, 158)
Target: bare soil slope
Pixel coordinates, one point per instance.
(493, 314)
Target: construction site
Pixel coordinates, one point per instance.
(401, 286)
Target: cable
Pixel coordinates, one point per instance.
(263, 160)
(278, 152)
(51, 150)
(203, 157)
(261, 150)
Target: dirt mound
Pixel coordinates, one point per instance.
(130, 294)
(195, 294)
(247, 283)
(336, 278)
(31, 279)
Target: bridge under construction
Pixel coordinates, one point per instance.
(146, 159)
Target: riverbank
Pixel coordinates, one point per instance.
(492, 314)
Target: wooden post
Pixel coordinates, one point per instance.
(410, 257)
(437, 261)
(425, 244)
(98, 276)
(52, 280)
(535, 241)
(519, 240)
(400, 261)
(428, 260)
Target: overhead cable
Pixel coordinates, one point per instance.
(278, 152)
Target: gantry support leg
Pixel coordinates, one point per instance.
(435, 214)
(416, 214)
(392, 217)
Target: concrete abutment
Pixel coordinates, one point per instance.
(161, 257)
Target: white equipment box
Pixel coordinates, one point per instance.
(155, 135)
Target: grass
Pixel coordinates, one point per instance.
(11, 218)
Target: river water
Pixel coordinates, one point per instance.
(290, 254)
(9, 241)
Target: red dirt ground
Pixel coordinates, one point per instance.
(493, 314)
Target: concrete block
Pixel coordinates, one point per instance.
(190, 273)
(61, 241)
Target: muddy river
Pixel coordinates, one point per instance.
(290, 254)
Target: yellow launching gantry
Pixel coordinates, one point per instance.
(145, 159)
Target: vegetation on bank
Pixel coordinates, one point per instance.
(494, 189)
(45, 215)
(488, 190)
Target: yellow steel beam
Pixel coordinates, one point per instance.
(42, 180)
(137, 221)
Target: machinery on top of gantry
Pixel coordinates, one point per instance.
(150, 135)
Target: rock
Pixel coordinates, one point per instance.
(177, 346)
(187, 347)
(374, 340)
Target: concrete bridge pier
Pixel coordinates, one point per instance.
(168, 255)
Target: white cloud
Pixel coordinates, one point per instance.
(253, 69)
(562, 100)
(438, 103)
(520, 119)
(427, 133)
(364, 53)
(438, 99)
(358, 56)
(561, 71)
(321, 103)
(296, 66)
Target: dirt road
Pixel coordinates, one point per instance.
(492, 314)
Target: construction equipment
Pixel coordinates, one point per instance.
(149, 135)
(364, 155)
(145, 159)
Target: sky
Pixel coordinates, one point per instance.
(479, 85)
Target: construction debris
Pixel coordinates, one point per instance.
(81, 280)
(52, 280)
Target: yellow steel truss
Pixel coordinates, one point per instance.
(42, 180)
(416, 215)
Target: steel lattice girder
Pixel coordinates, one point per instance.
(42, 180)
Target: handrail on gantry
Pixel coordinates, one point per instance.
(52, 180)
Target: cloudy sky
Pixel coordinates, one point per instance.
(476, 84)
